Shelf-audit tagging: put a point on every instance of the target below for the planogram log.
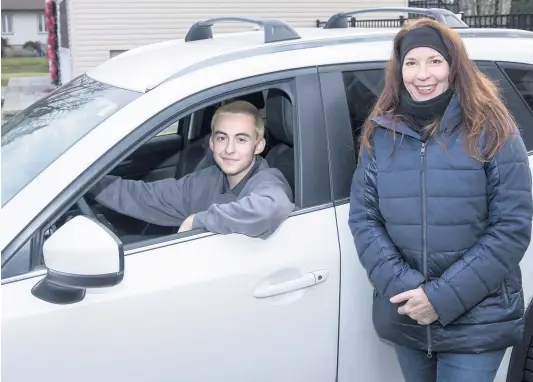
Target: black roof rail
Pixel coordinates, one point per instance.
(275, 30)
(443, 16)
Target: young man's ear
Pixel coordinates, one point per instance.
(260, 146)
(211, 137)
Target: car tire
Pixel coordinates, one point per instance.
(521, 363)
(528, 368)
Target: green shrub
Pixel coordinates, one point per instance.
(29, 45)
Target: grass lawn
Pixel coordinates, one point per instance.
(23, 67)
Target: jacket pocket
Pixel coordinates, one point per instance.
(505, 293)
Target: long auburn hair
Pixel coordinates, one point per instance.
(480, 100)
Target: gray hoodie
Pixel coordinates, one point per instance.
(255, 207)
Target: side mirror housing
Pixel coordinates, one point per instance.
(83, 253)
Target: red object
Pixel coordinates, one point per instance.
(52, 39)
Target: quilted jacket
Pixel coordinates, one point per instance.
(427, 214)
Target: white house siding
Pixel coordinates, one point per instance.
(25, 28)
(64, 40)
(98, 27)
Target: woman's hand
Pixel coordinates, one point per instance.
(417, 306)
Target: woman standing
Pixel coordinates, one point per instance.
(441, 211)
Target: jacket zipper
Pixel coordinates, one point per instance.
(424, 232)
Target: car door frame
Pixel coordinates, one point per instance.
(301, 84)
(340, 140)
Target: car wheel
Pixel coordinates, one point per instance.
(521, 363)
(528, 368)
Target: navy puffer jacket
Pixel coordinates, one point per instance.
(427, 214)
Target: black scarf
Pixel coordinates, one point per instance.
(418, 114)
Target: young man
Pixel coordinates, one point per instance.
(241, 194)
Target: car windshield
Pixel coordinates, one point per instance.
(36, 137)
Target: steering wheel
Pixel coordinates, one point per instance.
(85, 209)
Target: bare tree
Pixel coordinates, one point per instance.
(485, 7)
(522, 6)
(68, 98)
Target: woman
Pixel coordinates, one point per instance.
(441, 211)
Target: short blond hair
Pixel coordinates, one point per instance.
(242, 107)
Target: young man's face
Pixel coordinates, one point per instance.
(234, 143)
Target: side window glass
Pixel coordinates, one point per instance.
(172, 129)
(514, 83)
(522, 79)
(362, 91)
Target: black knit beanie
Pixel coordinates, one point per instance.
(425, 36)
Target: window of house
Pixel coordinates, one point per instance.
(41, 23)
(522, 79)
(7, 23)
(362, 91)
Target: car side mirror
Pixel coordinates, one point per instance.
(83, 253)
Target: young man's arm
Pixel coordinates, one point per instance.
(258, 214)
(165, 202)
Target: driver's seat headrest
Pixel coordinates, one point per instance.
(279, 116)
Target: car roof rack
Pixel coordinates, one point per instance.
(275, 30)
(443, 16)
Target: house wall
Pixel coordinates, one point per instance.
(99, 27)
(25, 28)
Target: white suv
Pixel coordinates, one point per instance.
(81, 306)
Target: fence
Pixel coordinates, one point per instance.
(517, 21)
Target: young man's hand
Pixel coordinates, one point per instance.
(417, 306)
(187, 224)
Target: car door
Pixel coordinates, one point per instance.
(200, 306)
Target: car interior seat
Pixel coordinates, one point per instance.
(279, 115)
(195, 151)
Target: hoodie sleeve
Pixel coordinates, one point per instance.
(386, 269)
(483, 267)
(165, 202)
(258, 214)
